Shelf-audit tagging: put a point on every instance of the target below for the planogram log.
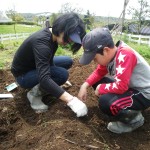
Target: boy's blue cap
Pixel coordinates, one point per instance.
(93, 42)
(75, 36)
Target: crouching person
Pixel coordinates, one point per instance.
(121, 80)
(35, 66)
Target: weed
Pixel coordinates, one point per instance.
(2, 46)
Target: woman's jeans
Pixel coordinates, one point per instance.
(59, 73)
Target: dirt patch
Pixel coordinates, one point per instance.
(59, 128)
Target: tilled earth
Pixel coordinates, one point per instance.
(59, 128)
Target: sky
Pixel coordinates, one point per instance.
(111, 8)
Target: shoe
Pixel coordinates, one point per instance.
(120, 127)
(35, 99)
(66, 85)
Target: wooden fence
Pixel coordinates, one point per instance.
(9, 37)
(140, 39)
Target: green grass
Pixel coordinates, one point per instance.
(6, 58)
(6, 29)
(143, 49)
(7, 51)
(67, 52)
(8, 48)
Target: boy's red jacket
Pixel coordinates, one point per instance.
(129, 70)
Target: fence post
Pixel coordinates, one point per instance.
(1, 38)
(17, 36)
(149, 42)
(23, 35)
(129, 37)
(139, 41)
(9, 37)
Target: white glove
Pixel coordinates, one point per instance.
(78, 107)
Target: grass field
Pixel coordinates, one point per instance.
(8, 48)
(6, 29)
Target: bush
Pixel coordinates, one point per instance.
(7, 23)
(2, 46)
(27, 23)
(125, 38)
(19, 22)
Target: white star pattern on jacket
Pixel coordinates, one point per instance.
(107, 86)
(114, 86)
(119, 69)
(117, 80)
(121, 57)
(123, 69)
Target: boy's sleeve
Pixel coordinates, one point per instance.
(125, 63)
(97, 75)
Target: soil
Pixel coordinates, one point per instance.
(59, 128)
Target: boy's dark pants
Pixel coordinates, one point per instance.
(121, 105)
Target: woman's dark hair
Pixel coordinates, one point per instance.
(68, 24)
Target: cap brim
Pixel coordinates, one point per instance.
(75, 38)
(87, 58)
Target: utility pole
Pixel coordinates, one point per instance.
(123, 14)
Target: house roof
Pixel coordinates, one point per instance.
(133, 28)
(4, 17)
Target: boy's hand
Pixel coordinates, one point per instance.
(97, 90)
(82, 94)
(83, 91)
(78, 107)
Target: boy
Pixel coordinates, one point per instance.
(127, 92)
(34, 65)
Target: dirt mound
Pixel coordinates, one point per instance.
(59, 128)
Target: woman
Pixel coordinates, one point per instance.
(34, 65)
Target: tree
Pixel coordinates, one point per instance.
(88, 20)
(12, 13)
(19, 17)
(140, 13)
(42, 20)
(52, 18)
(36, 19)
(68, 7)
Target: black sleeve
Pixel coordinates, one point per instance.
(43, 55)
